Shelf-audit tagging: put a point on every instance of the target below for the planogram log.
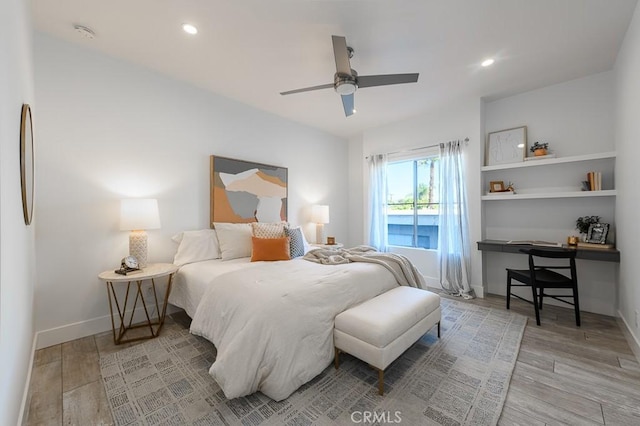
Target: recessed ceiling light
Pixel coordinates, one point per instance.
(487, 62)
(189, 29)
(84, 31)
(354, 111)
(520, 145)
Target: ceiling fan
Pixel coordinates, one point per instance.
(346, 80)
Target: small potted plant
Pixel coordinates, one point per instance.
(583, 223)
(539, 149)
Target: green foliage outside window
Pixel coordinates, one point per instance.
(426, 191)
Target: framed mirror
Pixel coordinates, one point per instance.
(26, 163)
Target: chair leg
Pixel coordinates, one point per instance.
(541, 296)
(535, 305)
(576, 303)
(508, 290)
(380, 381)
(336, 361)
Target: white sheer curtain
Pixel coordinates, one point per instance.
(453, 233)
(378, 202)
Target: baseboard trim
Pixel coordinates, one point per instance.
(632, 339)
(24, 406)
(478, 290)
(431, 281)
(78, 330)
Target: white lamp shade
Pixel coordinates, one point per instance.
(320, 214)
(139, 214)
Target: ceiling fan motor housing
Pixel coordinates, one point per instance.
(345, 84)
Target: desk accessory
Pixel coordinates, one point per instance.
(128, 264)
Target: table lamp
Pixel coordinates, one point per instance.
(320, 215)
(137, 215)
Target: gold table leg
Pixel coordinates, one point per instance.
(139, 295)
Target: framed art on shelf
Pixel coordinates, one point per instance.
(496, 186)
(506, 146)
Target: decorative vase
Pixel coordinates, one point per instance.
(539, 152)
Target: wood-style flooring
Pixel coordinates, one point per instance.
(564, 374)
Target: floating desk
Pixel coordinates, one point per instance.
(604, 255)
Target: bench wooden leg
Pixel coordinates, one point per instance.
(336, 360)
(380, 382)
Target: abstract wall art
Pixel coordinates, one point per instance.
(244, 191)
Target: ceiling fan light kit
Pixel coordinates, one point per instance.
(346, 80)
(345, 84)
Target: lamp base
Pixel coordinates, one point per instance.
(319, 233)
(138, 247)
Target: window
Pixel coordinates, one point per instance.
(412, 202)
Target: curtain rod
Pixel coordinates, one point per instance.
(466, 140)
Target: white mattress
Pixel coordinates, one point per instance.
(192, 280)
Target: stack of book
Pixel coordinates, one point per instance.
(593, 182)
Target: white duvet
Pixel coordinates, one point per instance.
(272, 324)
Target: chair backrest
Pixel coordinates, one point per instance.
(555, 253)
(552, 253)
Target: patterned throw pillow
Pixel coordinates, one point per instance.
(268, 230)
(296, 241)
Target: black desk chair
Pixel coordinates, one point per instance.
(540, 278)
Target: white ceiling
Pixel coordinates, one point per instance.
(252, 50)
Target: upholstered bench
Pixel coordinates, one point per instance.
(379, 330)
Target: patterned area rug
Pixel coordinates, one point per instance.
(460, 379)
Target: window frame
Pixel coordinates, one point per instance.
(414, 157)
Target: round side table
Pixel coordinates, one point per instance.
(134, 285)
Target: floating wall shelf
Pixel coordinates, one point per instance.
(551, 161)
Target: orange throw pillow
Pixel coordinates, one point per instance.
(270, 249)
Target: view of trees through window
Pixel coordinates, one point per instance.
(412, 203)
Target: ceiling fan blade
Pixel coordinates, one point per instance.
(308, 89)
(384, 80)
(341, 54)
(348, 104)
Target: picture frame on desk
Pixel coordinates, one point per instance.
(597, 233)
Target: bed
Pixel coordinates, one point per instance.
(272, 322)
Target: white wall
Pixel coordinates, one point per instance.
(17, 252)
(575, 117)
(455, 121)
(110, 130)
(357, 208)
(627, 132)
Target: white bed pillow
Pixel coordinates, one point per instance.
(235, 239)
(196, 246)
